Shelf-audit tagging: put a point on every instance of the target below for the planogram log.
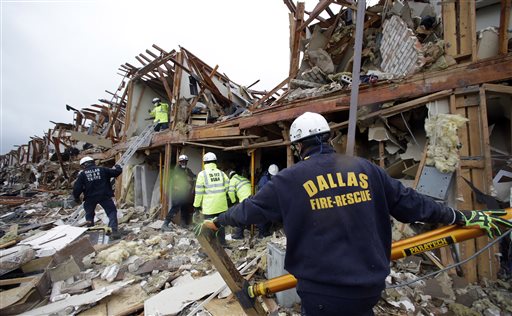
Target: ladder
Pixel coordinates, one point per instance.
(136, 144)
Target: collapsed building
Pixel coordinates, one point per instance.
(432, 110)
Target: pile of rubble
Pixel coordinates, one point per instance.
(50, 264)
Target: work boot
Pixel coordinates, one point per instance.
(237, 236)
(89, 224)
(165, 227)
(115, 235)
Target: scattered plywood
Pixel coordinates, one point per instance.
(98, 310)
(92, 139)
(126, 301)
(172, 300)
(76, 301)
(221, 307)
(13, 258)
(57, 238)
(78, 249)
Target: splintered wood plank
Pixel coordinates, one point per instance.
(212, 132)
(472, 30)
(478, 180)
(464, 194)
(229, 273)
(498, 88)
(504, 22)
(222, 307)
(492, 264)
(296, 36)
(465, 34)
(97, 310)
(167, 167)
(126, 301)
(450, 27)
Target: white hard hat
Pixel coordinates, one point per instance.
(273, 169)
(209, 157)
(155, 100)
(183, 158)
(308, 124)
(85, 159)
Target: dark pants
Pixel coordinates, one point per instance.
(263, 229)
(161, 126)
(183, 208)
(324, 305)
(109, 207)
(221, 233)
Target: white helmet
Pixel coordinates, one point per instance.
(85, 159)
(155, 100)
(273, 169)
(308, 124)
(183, 158)
(209, 157)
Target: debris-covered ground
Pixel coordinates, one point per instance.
(50, 264)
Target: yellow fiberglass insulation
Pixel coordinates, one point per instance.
(121, 251)
(443, 144)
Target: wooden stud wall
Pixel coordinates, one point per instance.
(474, 138)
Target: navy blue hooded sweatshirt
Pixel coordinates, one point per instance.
(94, 182)
(335, 211)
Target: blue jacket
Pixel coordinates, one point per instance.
(264, 180)
(335, 211)
(94, 182)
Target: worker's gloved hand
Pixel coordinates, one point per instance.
(196, 218)
(116, 166)
(77, 200)
(207, 223)
(487, 220)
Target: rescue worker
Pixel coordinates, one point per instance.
(94, 183)
(182, 185)
(239, 190)
(335, 212)
(211, 192)
(160, 113)
(267, 176)
(263, 229)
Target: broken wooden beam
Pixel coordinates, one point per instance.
(229, 273)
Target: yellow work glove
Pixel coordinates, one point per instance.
(487, 220)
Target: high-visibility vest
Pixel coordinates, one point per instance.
(160, 113)
(211, 190)
(239, 187)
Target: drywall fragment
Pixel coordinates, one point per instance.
(322, 60)
(296, 83)
(14, 257)
(53, 240)
(488, 43)
(75, 303)
(172, 300)
(110, 272)
(65, 270)
(156, 282)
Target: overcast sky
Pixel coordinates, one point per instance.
(55, 53)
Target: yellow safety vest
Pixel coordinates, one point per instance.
(211, 190)
(239, 187)
(160, 113)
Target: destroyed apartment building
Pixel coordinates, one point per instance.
(434, 87)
